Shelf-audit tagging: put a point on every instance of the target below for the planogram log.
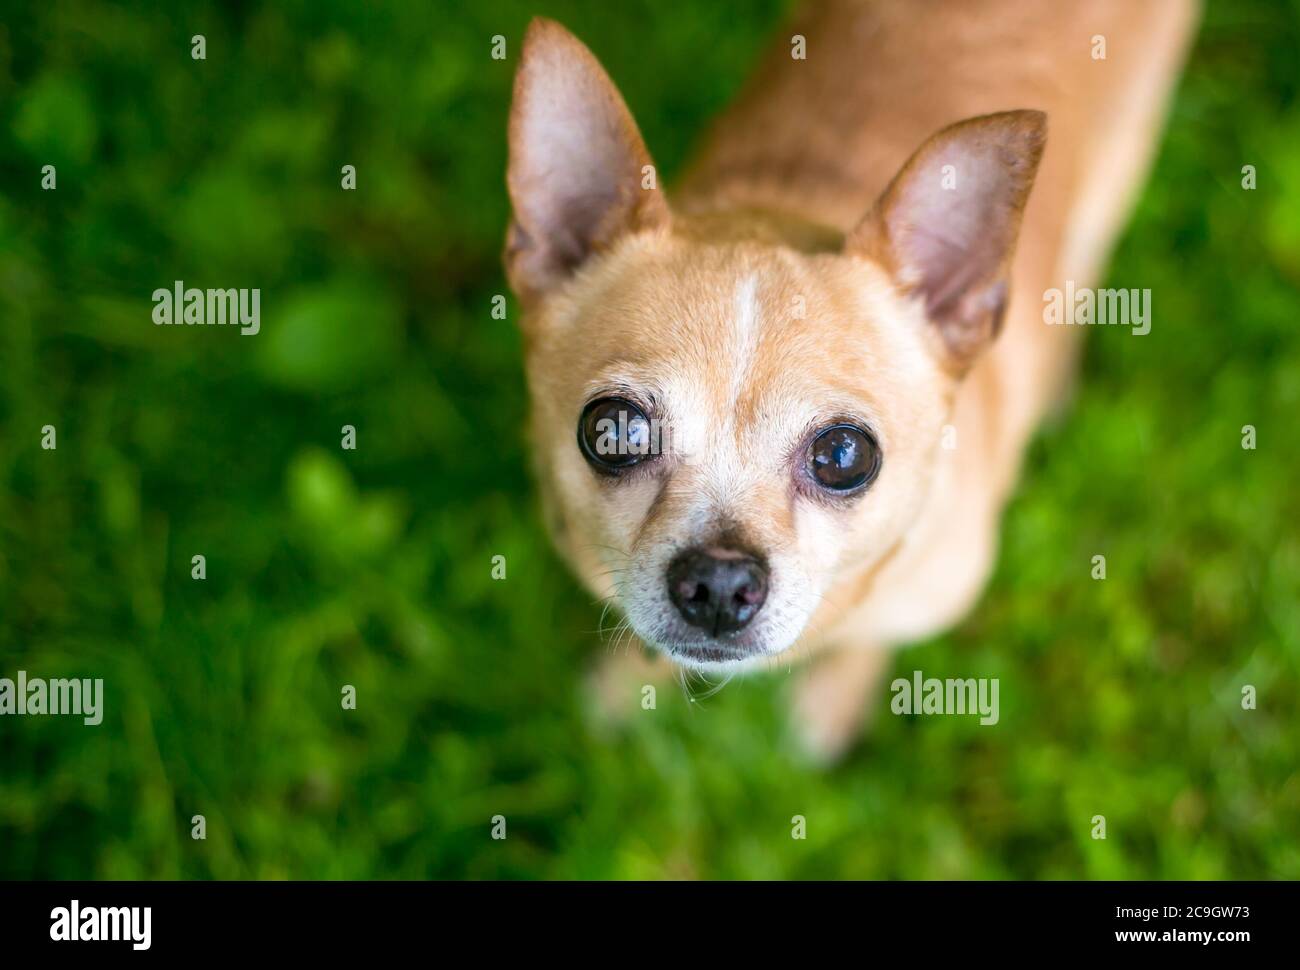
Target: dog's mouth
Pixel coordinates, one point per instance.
(728, 651)
(709, 654)
(689, 648)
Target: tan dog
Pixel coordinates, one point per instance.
(773, 414)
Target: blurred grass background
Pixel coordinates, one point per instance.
(372, 567)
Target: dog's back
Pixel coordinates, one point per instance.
(821, 135)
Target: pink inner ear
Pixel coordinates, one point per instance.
(948, 222)
(576, 159)
(573, 155)
(951, 238)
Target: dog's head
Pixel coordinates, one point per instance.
(726, 420)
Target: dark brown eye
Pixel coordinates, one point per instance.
(615, 434)
(843, 458)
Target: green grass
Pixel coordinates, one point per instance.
(372, 567)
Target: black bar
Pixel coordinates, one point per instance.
(335, 919)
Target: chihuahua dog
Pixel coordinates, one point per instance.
(771, 417)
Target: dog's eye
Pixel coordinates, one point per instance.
(614, 434)
(843, 458)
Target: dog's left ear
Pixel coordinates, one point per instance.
(946, 226)
(579, 174)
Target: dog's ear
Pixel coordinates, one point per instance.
(578, 166)
(946, 225)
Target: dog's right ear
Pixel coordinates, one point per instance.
(578, 165)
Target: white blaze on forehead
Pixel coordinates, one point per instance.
(705, 417)
(722, 462)
(745, 325)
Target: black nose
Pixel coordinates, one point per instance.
(719, 590)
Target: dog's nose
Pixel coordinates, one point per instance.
(715, 589)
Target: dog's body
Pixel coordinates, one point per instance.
(794, 287)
